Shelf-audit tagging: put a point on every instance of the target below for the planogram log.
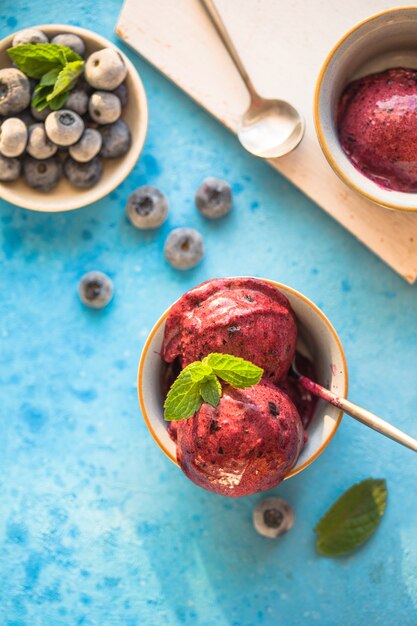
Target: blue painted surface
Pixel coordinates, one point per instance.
(97, 527)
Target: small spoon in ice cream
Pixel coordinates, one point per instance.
(269, 128)
(358, 413)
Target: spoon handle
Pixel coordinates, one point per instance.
(218, 23)
(360, 414)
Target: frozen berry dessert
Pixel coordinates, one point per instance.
(245, 317)
(248, 443)
(377, 127)
(239, 438)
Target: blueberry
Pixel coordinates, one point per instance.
(104, 107)
(9, 169)
(39, 146)
(273, 517)
(116, 140)
(13, 137)
(147, 207)
(184, 248)
(77, 101)
(40, 116)
(64, 127)
(14, 91)
(105, 69)
(87, 147)
(214, 198)
(83, 175)
(95, 289)
(29, 35)
(43, 175)
(26, 117)
(71, 41)
(122, 93)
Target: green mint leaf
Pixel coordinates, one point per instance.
(39, 98)
(234, 370)
(352, 519)
(183, 399)
(199, 372)
(38, 59)
(58, 101)
(211, 390)
(198, 382)
(66, 79)
(49, 79)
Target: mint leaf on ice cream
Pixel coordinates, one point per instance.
(184, 397)
(234, 370)
(352, 519)
(211, 391)
(199, 382)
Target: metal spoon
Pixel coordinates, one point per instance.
(355, 411)
(269, 128)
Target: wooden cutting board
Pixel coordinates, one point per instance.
(283, 45)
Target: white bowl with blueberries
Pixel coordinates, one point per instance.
(73, 115)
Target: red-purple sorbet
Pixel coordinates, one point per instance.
(247, 444)
(377, 127)
(253, 438)
(245, 317)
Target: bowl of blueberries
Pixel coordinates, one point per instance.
(73, 117)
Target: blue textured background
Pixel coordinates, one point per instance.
(96, 526)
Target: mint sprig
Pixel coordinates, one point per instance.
(57, 68)
(199, 382)
(352, 519)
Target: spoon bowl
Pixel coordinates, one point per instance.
(270, 128)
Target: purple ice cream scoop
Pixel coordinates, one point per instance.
(377, 127)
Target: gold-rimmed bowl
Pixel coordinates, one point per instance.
(385, 40)
(318, 339)
(65, 197)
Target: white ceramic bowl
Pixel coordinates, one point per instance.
(318, 338)
(385, 40)
(64, 196)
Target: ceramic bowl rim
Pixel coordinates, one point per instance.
(316, 310)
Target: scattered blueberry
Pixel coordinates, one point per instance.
(104, 107)
(29, 35)
(9, 169)
(39, 146)
(214, 198)
(43, 175)
(122, 93)
(273, 517)
(71, 41)
(105, 69)
(64, 127)
(14, 91)
(77, 101)
(184, 248)
(147, 207)
(87, 147)
(13, 137)
(95, 289)
(83, 175)
(116, 140)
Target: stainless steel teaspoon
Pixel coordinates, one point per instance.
(269, 128)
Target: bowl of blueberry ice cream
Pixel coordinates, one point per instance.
(73, 117)
(254, 426)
